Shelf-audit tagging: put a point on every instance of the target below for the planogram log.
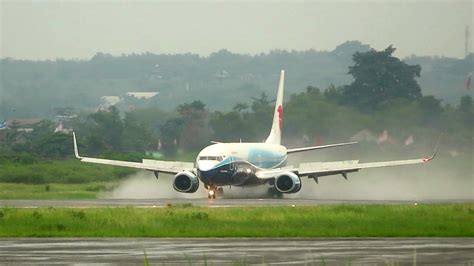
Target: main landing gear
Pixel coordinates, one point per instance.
(273, 193)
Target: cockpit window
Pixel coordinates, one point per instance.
(211, 158)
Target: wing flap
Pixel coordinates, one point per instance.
(326, 167)
(160, 166)
(349, 166)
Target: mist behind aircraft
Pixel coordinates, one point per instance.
(93, 32)
(445, 178)
(49, 30)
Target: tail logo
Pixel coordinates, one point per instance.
(280, 115)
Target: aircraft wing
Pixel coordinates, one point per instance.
(344, 167)
(319, 147)
(169, 167)
(317, 169)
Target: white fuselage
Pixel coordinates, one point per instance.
(236, 163)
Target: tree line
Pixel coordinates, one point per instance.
(37, 88)
(384, 95)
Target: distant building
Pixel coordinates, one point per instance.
(222, 74)
(23, 124)
(107, 101)
(364, 135)
(142, 94)
(60, 128)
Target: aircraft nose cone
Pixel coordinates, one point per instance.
(205, 165)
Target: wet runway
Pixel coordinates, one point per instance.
(202, 202)
(231, 251)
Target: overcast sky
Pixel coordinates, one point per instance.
(79, 29)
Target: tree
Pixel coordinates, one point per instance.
(349, 48)
(261, 101)
(53, 145)
(333, 94)
(466, 104)
(108, 127)
(195, 133)
(430, 106)
(170, 132)
(231, 127)
(64, 111)
(260, 119)
(467, 111)
(136, 135)
(379, 77)
(240, 107)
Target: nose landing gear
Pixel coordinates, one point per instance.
(213, 191)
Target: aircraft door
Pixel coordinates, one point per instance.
(232, 164)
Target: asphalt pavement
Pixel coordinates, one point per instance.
(242, 251)
(222, 202)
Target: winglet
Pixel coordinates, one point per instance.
(435, 150)
(76, 151)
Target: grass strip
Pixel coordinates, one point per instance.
(70, 171)
(435, 220)
(55, 191)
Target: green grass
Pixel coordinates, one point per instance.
(28, 169)
(54, 191)
(437, 220)
(60, 171)
(189, 156)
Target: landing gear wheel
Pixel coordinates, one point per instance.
(220, 191)
(211, 193)
(273, 193)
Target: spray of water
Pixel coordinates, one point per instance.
(144, 185)
(444, 178)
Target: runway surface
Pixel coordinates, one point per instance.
(231, 251)
(202, 202)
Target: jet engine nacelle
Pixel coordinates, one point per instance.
(287, 183)
(186, 182)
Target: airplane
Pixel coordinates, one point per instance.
(250, 164)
